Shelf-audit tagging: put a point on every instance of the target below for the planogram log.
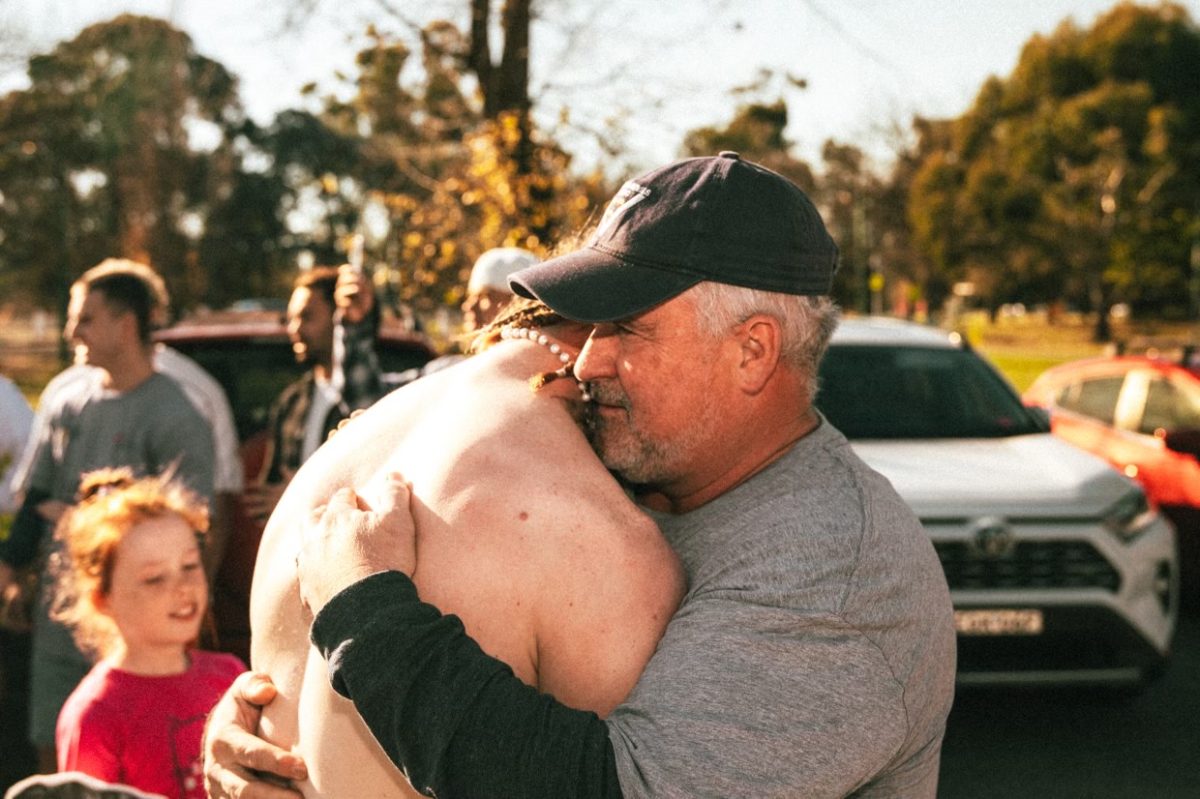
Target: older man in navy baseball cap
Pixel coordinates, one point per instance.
(814, 652)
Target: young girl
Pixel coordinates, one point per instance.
(134, 591)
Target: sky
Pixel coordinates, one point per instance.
(659, 68)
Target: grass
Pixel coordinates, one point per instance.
(1024, 347)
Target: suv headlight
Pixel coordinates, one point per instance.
(1130, 516)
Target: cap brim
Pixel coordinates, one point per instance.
(589, 285)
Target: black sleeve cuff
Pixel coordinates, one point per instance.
(455, 720)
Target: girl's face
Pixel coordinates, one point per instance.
(159, 593)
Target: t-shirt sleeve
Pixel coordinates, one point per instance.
(186, 440)
(230, 667)
(89, 743)
(208, 398)
(456, 721)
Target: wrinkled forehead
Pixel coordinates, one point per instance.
(679, 310)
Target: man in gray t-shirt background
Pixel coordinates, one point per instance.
(134, 417)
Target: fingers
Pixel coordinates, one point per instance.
(343, 500)
(397, 494)
(240, 753)
(348, 540)
(236, 784)
(255, 688)
(237, 763)
(353, 294)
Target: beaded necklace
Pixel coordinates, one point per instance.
(510, 333)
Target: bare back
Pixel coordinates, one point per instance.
(521, 532)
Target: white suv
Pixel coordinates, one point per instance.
(1059, 570)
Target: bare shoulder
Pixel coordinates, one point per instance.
(615, 584)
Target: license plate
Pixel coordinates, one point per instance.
(998, 622)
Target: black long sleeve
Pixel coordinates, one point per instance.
(456, 721)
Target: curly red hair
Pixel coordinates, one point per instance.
(111, 503)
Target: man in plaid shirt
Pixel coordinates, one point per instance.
(332, 318)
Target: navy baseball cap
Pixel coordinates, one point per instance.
(717, 218)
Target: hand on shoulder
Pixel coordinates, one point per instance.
(348, 540)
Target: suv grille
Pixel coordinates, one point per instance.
(1031, 564)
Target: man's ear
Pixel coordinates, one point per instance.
(760, 339)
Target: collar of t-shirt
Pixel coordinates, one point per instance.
(325, 396)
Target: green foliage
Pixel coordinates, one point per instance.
(756, 132)
(122, 145)
(864, 214)
(450, 181)
(1074, 177)
(99, 158)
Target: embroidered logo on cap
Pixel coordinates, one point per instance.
(630, 194)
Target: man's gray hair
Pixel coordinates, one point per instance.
(808, 321)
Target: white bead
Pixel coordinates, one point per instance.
(508, 332)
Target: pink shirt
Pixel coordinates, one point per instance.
(144, 731)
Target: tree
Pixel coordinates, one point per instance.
(121, 146)
(755, 132)
(1075, 176)
(852, 198)
(859, 213)
(446, 179)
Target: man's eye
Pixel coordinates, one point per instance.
(155, 580)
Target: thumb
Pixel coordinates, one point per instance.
(255, 687)
(397, 493)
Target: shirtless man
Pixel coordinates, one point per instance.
(522, 533)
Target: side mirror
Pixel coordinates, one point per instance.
(1185, 441)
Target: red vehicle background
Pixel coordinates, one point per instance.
(1142, 415)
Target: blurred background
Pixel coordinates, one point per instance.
(1031, 160)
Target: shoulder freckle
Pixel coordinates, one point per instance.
(523, 516)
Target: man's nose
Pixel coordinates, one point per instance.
(597, 357)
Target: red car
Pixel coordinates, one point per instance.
(1142, 415)
(251, 357)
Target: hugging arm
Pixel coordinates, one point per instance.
(456, 721)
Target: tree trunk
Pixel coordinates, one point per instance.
(479, 57)
(505, 86)
(512, 85)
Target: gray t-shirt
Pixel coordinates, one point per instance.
(814, 652)
(149, 428)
